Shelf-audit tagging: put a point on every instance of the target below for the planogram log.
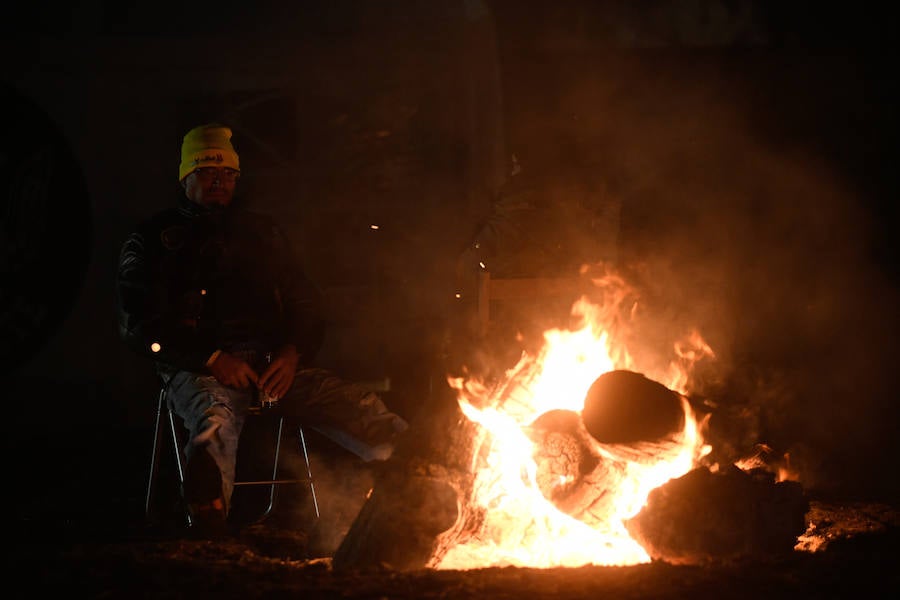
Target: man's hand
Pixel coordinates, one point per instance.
(232, 371)
(277, 379)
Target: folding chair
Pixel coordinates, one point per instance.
(169, 425)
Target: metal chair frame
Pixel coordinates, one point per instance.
(167, 425)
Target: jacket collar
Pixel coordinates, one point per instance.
(190, 208)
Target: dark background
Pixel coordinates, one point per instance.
(738, 157)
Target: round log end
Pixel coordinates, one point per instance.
(623, 407)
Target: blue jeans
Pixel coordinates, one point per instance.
(349, 414)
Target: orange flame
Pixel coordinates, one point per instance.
(517, 524)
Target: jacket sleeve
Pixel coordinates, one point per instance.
(145, 321)
(301, 301)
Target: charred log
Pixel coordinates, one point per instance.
(622, 407)
(706, 517)
(415, 498)
(399, 523)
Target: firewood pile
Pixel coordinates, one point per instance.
(418, 508)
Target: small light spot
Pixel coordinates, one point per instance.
(155, 347)
(482, 265)
(458, 295)
(373, 226)
(202, 292)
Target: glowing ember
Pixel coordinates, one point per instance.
(514, 522)
(762, 459)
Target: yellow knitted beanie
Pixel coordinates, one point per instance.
(207, 146)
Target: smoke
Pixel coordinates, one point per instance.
(342, 483)
(730, 185)
(744, 225)
(747, 212)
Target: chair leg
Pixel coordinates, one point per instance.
(179, 465)
(154, 457)
(275, 463)
(163, 412)
(274, 481)
(309, 477)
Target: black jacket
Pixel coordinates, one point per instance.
(191, 281)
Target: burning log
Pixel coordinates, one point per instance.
(569, 473)
(704, 517)
(622, 407)
(562, 455)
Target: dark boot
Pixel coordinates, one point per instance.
(203, 494)
(208, 521)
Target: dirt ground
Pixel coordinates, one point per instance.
(849, 550)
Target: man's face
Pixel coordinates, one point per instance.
(212, 187)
